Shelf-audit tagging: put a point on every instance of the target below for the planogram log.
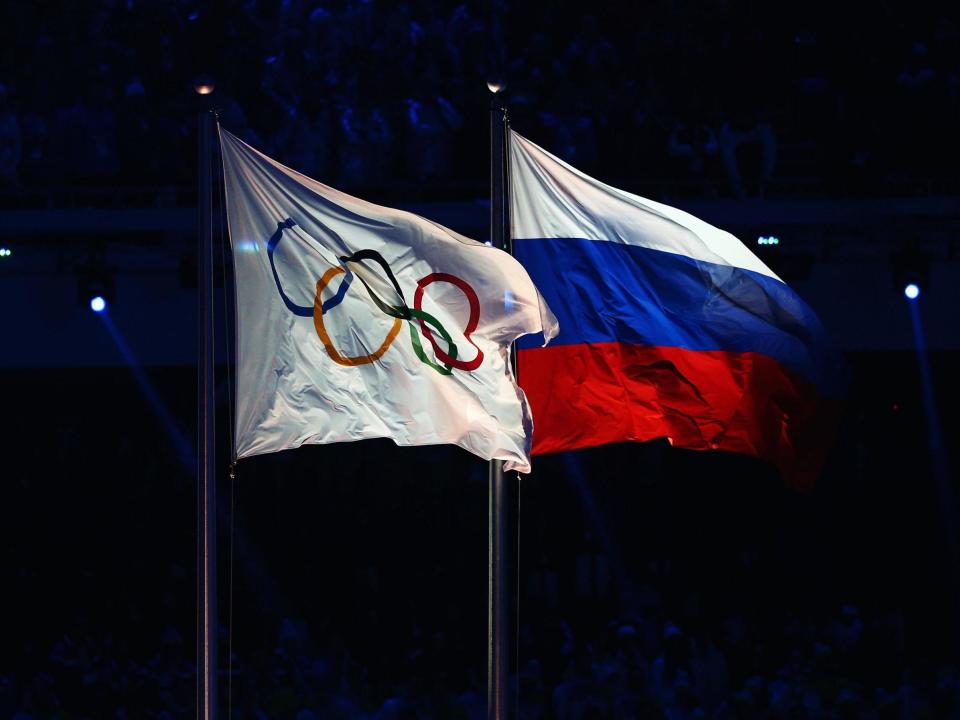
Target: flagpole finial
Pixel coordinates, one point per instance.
(496, 86)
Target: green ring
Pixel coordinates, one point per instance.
(418, 348)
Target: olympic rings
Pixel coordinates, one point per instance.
(271, 246)
(418, 348)
(472, 320)
(318, 311)
(448, 358)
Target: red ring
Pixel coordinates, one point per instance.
(472, 321)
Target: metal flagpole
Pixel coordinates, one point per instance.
(206, 490)
(497, 635)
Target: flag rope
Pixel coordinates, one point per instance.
(517, 589)
(233, 513)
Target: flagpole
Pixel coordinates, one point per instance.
(206, 490)
(497, 635)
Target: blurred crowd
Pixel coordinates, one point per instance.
(366, 93)
(654, 583)
(639, 667)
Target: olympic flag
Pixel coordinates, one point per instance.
(670, 328)
(359, 321)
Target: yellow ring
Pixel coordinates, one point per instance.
(325, 338)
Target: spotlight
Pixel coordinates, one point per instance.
(911, 272)
(204, 85)
(95, 288)
(496, 86)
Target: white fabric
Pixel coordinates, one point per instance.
(551, 199)
(289, 389)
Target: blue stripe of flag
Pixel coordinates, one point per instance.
(605, 291)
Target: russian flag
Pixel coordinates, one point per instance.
(669, 327)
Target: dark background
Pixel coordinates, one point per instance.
(654, 582)
(355, 573)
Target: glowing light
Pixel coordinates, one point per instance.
(98, 304)
(204, 85)
(496, 86)
(911, 291)
(5, 252)
(771, 240)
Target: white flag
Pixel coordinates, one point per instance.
(359, 321)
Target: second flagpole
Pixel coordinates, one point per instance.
(497, 634)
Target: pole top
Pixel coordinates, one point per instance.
(204, 85)
(496, 86)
